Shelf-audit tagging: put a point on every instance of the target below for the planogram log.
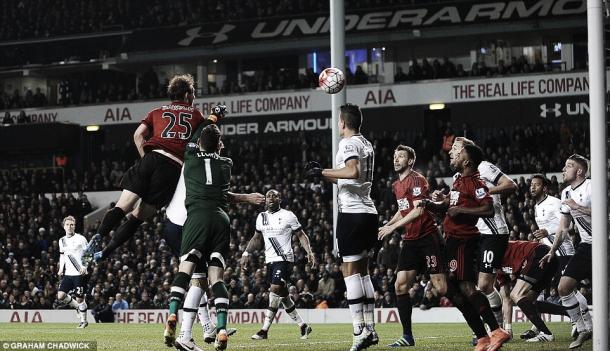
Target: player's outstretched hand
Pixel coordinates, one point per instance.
(313, 169)
(438, 195)
(255, 198)
(540, 234)
(547, 258)
(83, 270)
(384, 231)
(220, 111)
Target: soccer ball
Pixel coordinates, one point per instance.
(331, 80)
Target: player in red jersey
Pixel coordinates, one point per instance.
(468, 200)
(161, 139)
(522, 259)
(421, 249)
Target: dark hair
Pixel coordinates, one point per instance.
(581, 160)
(210, 138)
(408, 149)
(475, 154)
(179, 85)
(545, 182)
(352, 116)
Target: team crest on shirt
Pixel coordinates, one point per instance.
(403, 204)
(416, 191)
(349, 147)
(479, 193)
(453, 265)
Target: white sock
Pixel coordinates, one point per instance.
(369, 302)
(189, 311)
(355, 293)
(570, 302)
(584, 310)
(292, 310)
(82, 311)
(495, 302)
(274, 304)
(204, 315)
(508, 327)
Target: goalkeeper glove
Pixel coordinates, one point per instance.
(218, 112)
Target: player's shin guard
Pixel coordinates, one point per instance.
(495, 302)
(189, 311)
(82, 311)
(533, 315)
(570, 302)
(291, 309)
(221, 300)
(468, 311)
(481, 304)
(274, 303)
(111, 219)
(355, 297)
(405, 309)
(122, 234)
(179, 287)
(369, 302)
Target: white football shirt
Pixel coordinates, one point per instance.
(176, 210)
(354, 195)
(490, 175)
(277, 229)
(582, 195)
(547, 217)
(71, 249)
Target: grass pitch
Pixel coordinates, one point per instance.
(325, 337)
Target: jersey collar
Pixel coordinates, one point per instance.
(546, 196)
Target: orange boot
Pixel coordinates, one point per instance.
(482, 344)
(498, 337)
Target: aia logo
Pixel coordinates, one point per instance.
(550, 111)
(453, 265)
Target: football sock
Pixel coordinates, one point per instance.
(468, 311)
(179, 286)
(122, 234)
(369, 302)
(204, 315)
(532, 314)
(584, 309)
(495, 302)
(189, 311)
(481, 304)
(221, 301)
(570, 302)
(355, 298)
(274, 303)
(405, 308)
(111, 219)
(551, 308)
(291, 309)
(82, 311)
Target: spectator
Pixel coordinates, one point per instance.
(8, 119)
(326, 286)
(23, 118)
(102, 313)
(144, 304)
(360, 77)
(119, 304)
(400, 76)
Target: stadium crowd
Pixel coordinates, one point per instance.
(140, 274)
(110, 86)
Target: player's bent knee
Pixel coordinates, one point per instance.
(198, 282)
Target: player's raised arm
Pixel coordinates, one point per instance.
(504, 185)
(251, 198)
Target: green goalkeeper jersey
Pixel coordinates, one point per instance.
(206, 176)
